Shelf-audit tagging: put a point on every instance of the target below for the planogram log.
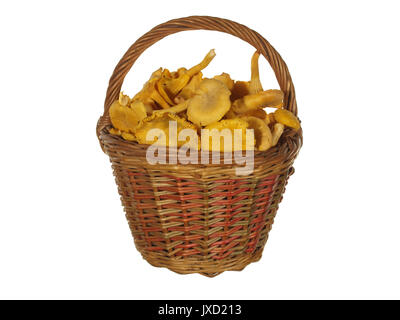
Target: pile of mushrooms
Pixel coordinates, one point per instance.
(196, 102)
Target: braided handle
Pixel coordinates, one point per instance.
(198, 23)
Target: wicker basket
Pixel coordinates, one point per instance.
(200, 218)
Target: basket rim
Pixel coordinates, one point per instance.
(275, 160)
(288, 133)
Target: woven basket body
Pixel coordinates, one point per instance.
(200, 218)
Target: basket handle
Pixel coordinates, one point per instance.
(198, 23)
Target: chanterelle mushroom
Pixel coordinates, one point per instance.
(204, 63)
(161, 122)
(243, 88)
(216, 132)
(287, 118)
(276, 134)
(189, 90)
(255, 83)
(226, 79)
(174, 85)
(210, 102)
(268, 98)
(262, 132)
(124, 117)
(149, 94)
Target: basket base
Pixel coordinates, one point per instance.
(204, 267)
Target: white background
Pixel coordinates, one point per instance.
(63, 233)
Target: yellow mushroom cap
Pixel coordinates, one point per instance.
(210, 102)
(237, 123)
(262, 132)
(225, 78)
(139, 108)
(124, 118)
(162, 122)
(287, 118)
(216, 131)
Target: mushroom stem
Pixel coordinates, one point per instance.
(123, 99)
(160, 87)
(255, 83)
(174, 86)
(206, 61)
(159, 99)
(276, 134)
(189, 90)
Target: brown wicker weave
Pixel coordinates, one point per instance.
(200, 218)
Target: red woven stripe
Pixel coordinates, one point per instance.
(266, 188)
